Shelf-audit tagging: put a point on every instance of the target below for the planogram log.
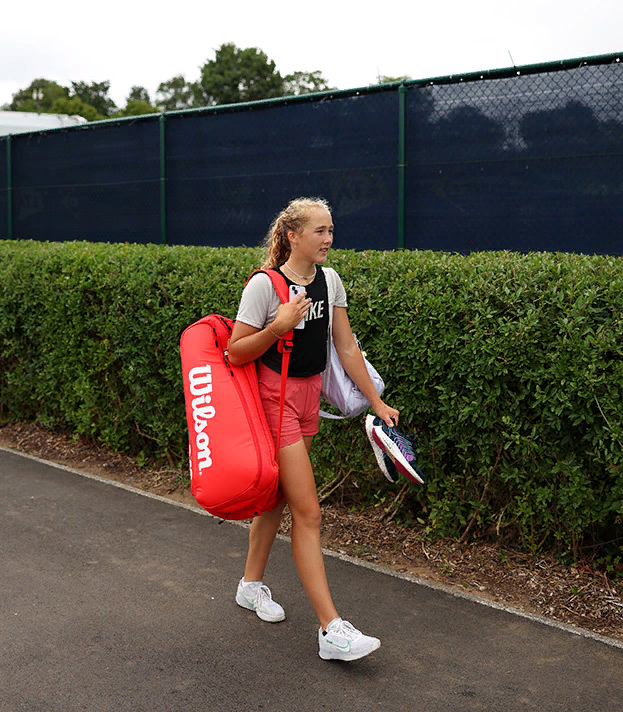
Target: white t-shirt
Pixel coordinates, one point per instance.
(259, 302)
(258, 308)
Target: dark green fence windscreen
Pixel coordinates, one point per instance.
(4, 193)
(525, 159)
(229, 173)
(99, 185)
(527, 162)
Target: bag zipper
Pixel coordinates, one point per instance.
(243, 400)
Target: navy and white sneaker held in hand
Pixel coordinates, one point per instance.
(400, 448)
(384, 461)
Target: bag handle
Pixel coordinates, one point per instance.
(284, 345)
(331, 289)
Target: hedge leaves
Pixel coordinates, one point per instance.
(508, 367)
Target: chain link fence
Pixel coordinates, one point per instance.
(523, 159)
(530, 161)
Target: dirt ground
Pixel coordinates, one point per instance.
(576, 595)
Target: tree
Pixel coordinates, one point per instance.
(137, 103)
(38, 96)
(138, 94)
(137, 108)
(175, 94)
(383, 79)
(95, 94)
(236, 75)
(75, 107)
(304, 83)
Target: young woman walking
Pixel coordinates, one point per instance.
(298, 245)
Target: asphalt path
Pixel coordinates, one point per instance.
(112, 600)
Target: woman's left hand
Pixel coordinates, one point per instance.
(388, 414)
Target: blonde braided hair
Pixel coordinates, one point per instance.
(293, 218)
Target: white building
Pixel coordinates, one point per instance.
(13, 122)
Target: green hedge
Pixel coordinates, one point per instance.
(509, 368)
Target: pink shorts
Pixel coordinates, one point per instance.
(300, 411)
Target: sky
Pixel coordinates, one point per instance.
(130, 43)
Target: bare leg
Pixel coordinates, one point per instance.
(299, 488)
(261, 537)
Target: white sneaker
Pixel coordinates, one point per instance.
(383, 460)
(255, 596)
(342, 641)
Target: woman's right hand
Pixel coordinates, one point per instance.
(248, 342)
(291, 313)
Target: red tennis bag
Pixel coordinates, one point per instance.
(232, 456)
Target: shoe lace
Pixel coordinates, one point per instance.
(345, 629)
(264, 595)
(403, 442)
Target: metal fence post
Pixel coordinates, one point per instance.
(163, 181)
(9, 187)
(402, 161)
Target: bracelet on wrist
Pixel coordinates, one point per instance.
(273, 332)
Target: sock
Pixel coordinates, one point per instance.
(250, 583)
(324, 630)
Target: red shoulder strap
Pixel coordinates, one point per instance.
(279, 283)
(285, 342)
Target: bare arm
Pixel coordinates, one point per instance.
(355, 367)
(248, 343)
